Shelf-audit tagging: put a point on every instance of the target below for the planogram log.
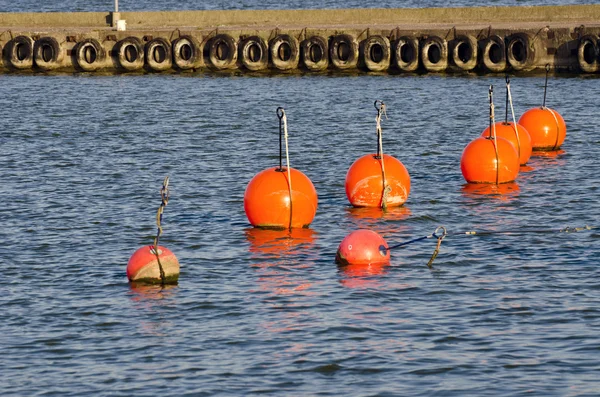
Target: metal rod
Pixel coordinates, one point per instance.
(116, 5)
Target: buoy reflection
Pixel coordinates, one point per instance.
(503, 191)
(265, 241)
(362, 276)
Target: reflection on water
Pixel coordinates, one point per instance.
(503, 192)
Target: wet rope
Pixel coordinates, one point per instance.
(164, 195)
(381, 110)
(493, 130)
(548, 109)
(546, 85)
(284, 130)
(509, 98)
(440, 233)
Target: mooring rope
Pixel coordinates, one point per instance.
(509, 97)
(164, 195)
(493, 130)
(381, 110)
(283, 129)
(440, 233)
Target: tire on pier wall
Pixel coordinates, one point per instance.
(158, 54)
(222, 52)
(187, 53)
(254, 53)
(47, 53)
(494, 54)
(18, 53)
(588, 53)
(89, 55)
(376, 52)
(284, 51)
(464, 52)
(314, 53)
(434, 54)
(406, 54)
(129, 54)
(343, 52)
(520, 52)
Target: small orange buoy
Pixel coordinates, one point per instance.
(546, 127)
(364, 183)
(363, 248)
(267, 199)
(508, 131)
(143, 266)
(280, 197)
(377, 180)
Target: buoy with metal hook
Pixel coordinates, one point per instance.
(155, 264)
(546, 126)
(280, 197)
(377, 179)
(490, 159)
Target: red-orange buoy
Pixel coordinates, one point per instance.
(508, 131)
(143, 266)
(267, 199)
(377, 180)
(364, 182)
(363, 247)
(280, 197)
(546, 127)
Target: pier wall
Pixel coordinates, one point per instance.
(435, 40)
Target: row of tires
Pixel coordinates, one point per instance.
(285, 52)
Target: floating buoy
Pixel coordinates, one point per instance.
(155, 264)
(377, 179)
(546, 126)
(143, 266)
(490, 159)
(517, 136)
(280, 197)
(363, 247)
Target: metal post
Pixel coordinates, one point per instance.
(116, 5)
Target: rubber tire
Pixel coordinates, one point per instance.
(245, 48)
(367, 46)
(229, 62)
(334, 52)
(401, 62)
(40, 47)
(589, 41)
(442, 45)
(151, 62)
(274, 52)
(519, 61)
(13, 49)
(80, 58)
(306, 48)
(490, 54)
(195, 53)
(120, 53)
(456, 47)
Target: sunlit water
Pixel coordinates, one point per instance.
(263, 312)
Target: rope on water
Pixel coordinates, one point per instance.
(164, 195)
(284, 130)
(381, 110)
(440, 233)
(509, 98)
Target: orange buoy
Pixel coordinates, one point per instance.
(519, 137)
(267, 199)
(363, 248)
(143, 266)
(280, 197)
(546, 127)
(377, 179)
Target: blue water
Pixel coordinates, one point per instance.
(269, 313)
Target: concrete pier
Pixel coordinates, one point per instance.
(434, 40)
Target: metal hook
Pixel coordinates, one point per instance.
(547, 68)
(507, 79)
(444, 232)
(380, 106)
(280, 112)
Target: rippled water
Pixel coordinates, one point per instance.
(151, 5)
(259, 312)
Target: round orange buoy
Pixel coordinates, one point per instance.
(507, 131)
(546, 127)
(267, 199)
(143, 266)
(481, 163)
(364, 182)
(363, 247)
